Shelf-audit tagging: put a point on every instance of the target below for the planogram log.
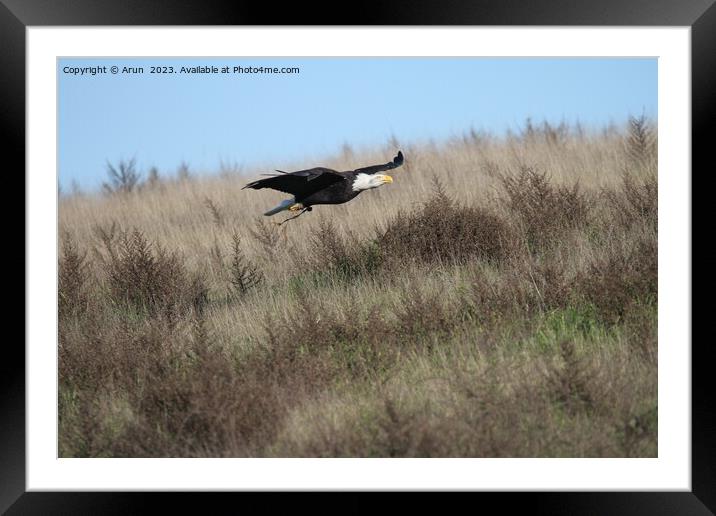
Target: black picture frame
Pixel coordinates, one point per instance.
(16, 15)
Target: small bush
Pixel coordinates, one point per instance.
(421, 313)
(618, 281)
(217, 214)
(636, 202)
(487, 300)
(148, 278)
(244, 275)
(124, 178)
(341, 257)
(553, 135)
(154, 180)
(72, 290)
(440, 231)
(329, 248)
(552, 284)
(267, 235)
(640, 141)
(444, 231)
(545, 211)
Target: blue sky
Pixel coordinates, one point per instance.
(270, 120)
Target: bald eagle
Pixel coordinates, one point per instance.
(323, 185)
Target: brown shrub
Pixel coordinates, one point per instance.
(444, 231)
(341, 256)
(421, 313)
(545, 211)
(149, 278)
(243, 274)
(635, 203)
(640, 141)
(487, 300)
(553, 286)
(267, 235)
(618, 281)
(329, 249)
(217, 215)
(72, 279)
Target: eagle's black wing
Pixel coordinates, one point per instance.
(397, 161)
(301, 183)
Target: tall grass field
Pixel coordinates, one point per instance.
(498, 299)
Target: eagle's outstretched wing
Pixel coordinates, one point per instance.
(300, 183)
(397, 161)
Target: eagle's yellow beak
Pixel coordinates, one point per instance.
(387, 179)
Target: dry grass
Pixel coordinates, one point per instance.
(499, 299)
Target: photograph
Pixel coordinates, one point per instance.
(445, 250)
(357, 257)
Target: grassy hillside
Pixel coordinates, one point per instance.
(499, 299)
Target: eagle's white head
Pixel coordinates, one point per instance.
(368, 181)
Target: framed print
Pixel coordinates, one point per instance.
(488, 287)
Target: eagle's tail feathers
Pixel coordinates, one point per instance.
(284, 205)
